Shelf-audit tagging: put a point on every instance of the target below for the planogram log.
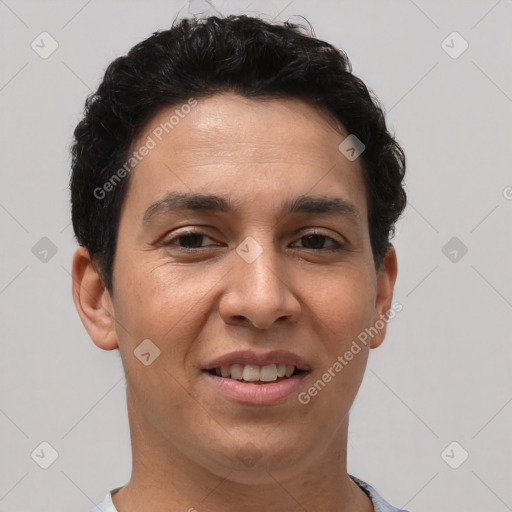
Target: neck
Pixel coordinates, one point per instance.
(164, 479)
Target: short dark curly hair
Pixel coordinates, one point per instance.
(199, 58)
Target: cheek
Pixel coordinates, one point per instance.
(158, 303)
(157, 300)
(344, 303)
(342, 307)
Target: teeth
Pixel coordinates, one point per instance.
(251, 373)
(269, 373)
(236, 371)
(255, 373)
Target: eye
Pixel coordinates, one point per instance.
(188, 240)
(315, 241)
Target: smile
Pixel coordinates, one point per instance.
(255, 373)
(257, 392)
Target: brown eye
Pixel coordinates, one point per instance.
(316, 242)
(188, 240)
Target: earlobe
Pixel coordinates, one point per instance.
(386, 278)
(92, 301)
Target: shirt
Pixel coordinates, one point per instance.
(379, 503)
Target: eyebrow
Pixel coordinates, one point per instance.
(175, 201)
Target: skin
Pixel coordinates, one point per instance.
(295, 296)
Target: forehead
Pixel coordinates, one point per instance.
(232, 143)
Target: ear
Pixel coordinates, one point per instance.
(93, 302)
(386, 277)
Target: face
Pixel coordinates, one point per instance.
(244, 240)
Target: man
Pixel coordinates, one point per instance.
(234, 191)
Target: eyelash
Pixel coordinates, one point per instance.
(171, 243)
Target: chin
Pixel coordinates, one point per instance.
(248, 464)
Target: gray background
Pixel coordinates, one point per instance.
(444, 371)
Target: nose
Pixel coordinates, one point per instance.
(259, 292)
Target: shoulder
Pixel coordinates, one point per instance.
(379, 503)
(107, 504)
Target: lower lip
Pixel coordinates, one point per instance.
(257, 394)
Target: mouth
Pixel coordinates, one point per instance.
(256, 374)
(257, 378)
(257, 392)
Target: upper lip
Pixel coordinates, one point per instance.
(259, 359)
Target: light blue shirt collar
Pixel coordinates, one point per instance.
(379, 503)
